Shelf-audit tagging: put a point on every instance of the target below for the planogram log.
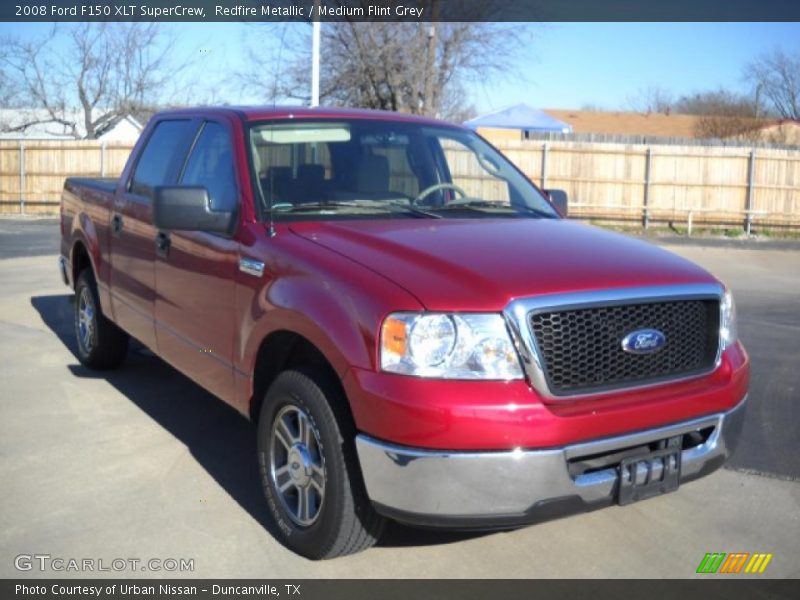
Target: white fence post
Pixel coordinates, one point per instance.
(545, 152)
(751, 169)
(103, 159)
(22, 178)
(646, 199)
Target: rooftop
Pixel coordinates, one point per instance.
(257, 113)
(628, 123)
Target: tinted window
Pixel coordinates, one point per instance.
(165, 150)
(211, 166)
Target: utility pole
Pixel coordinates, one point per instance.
(427, 102)
(429, 107)
(315, 36)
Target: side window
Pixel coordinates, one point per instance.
(161, 156)
(210, 165)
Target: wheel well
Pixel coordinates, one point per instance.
(282, 350)
(80, 260)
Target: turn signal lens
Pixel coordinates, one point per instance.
(393, 336)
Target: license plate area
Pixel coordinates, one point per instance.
(651, 473)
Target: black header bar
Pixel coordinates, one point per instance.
(400, 10)
(709, 588)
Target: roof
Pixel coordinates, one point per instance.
(13, 124)
(628, 123)
(782, 123)
(522, 117)
(258, 113)
(667, 125)
(115, 121)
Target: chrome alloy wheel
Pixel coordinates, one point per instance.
(87, 325)
(296, 466)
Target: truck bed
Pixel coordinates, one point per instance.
(104, 184)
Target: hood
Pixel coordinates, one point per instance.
(482, 264)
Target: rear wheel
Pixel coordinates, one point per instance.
(309, 469)
(101, 344)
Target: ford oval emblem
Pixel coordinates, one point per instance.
(644, 341)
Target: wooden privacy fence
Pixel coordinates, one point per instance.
(693, 184)
(605, 181)
(32, 172)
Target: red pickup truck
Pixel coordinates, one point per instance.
(416, 329)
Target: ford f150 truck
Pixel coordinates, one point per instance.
(417, 330)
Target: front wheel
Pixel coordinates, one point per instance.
(309, 469)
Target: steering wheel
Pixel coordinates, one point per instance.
(435, 188)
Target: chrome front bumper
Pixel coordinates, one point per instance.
(504, 489)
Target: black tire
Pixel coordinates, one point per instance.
(345, 521)
(107, 345)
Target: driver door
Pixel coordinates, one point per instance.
(195, 273)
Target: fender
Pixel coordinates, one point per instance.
(85, 233)
(336, 304)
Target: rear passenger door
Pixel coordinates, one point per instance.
(132, 240)
(195, 272)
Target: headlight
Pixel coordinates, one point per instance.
(727, 321)
(448, 346)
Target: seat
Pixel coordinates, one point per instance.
(278, 181)
(372, 174)
(370, 180)
(310, 184)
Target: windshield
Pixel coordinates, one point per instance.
(313, 169)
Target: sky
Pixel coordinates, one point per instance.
(607, 63)
(566, 65)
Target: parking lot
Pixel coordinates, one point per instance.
(141, 463)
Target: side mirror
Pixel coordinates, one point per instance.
(188, 208)
(558, 198)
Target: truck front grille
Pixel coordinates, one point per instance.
(581, 349)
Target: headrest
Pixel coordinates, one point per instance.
(277, 173)
(372, 174)
(312, 172)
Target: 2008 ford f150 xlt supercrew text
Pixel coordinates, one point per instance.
(417, 331)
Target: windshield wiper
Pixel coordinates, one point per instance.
(477, 203)
(383, 206)
(312, 206)
(416, 211)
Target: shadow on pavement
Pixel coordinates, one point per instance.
(218, 437)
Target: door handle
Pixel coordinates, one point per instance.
(163, 243)
(116, 224)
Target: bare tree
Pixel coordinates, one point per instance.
(720, 102)
(652, 99)
(268, 65)
(105, 70)
(776, 77)
(8, 91)
(738, 127)
(419, 68)
(722, 114)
